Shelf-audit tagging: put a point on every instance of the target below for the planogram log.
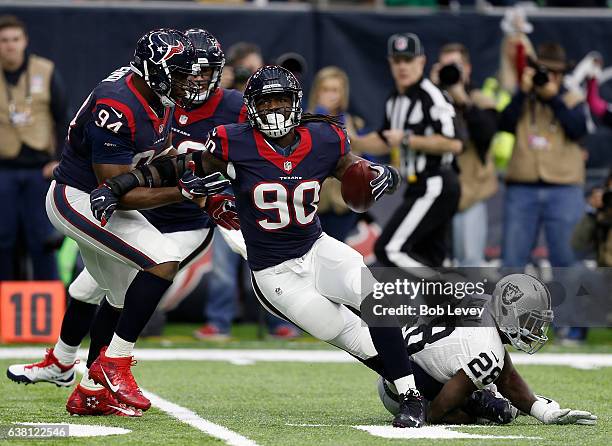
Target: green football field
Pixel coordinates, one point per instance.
(261, 401)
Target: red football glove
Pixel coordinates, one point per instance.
(222, 209)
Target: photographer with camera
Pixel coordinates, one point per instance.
(477, 120)
(546, 171)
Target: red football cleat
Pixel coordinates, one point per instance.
(84, 401)
(116, 376)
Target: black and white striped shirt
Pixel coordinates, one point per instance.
(422, 110)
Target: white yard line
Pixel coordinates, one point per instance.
(194, 420)
(247, 357)
(191, 418)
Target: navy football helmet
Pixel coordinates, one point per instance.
(267, 80)
(164, 58)
(209, 55)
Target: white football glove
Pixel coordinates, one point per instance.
(549, 415)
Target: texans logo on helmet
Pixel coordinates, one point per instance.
(511, 294)
(162, 50)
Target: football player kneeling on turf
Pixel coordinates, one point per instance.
(467, 375)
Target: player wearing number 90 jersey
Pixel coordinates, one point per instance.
(277, 163)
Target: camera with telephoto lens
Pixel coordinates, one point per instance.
(540, 77)
(449, 75)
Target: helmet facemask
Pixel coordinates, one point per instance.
(215, 78)
(277, 122)
(529, 335)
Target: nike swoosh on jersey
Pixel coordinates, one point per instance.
(119, 115)
(99, 198)
(110, 384)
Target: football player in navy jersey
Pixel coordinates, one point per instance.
(184, 223)
(276, 163)
(126, 122)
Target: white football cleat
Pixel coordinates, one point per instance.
(48, 370)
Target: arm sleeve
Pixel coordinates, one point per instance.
(482, 125)
(108, 147)
(59, 111)
(573, 120)
(511, 114)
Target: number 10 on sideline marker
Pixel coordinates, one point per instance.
(31, 311)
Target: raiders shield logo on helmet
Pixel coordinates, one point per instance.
(511, 294)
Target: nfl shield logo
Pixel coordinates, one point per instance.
(161, 128)
(183, 119)
(288, 166)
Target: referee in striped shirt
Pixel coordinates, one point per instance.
(419, 131)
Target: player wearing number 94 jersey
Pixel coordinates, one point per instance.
(467, 374)
(276, 163)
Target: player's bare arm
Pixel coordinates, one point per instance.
(370, 143)
(433, 144)
(344, 162)
(447, 405)
(512, 386)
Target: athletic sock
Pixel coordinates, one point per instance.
(77, 321)
(141, 299)
(65, 354)
(89, 383)
(404, 384)
(119, 348)
(102, 329)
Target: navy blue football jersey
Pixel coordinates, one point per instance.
(189, 133)
(277, 196)
(115, 125)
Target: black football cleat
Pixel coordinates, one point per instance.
(411, 410)
(484, 404)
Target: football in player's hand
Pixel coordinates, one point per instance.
(356, 189)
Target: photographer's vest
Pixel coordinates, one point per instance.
(478, 181)
(38, 132)
(542, 151)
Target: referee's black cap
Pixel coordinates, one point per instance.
(404, 44)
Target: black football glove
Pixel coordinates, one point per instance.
(192, 186)
(485, 404)
(103, 203)
(387, 181)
